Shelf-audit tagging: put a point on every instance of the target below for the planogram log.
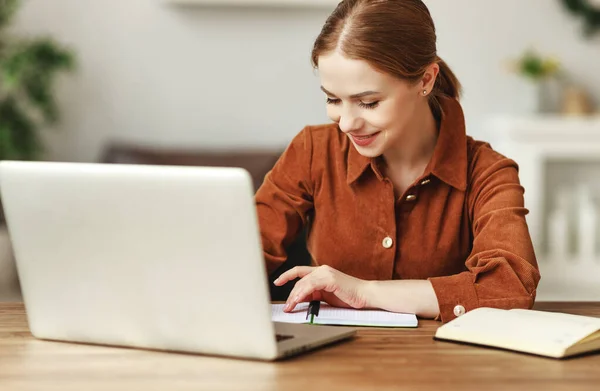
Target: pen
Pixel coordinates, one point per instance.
(313, 309)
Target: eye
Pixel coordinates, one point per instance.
(371, 105)
(331, 101)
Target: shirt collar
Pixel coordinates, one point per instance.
(357, 164)
(449, 160)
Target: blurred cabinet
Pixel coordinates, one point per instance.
(559, 167)
(329, 4)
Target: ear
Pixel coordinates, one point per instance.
(429, 78)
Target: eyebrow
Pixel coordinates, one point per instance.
(355, 96)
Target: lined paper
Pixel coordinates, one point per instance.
(297, 316)
(344, 316)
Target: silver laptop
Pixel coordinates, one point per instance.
(156, 257)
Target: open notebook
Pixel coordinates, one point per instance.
(548, 334)
(329, 315)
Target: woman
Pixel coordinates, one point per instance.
(406, 212)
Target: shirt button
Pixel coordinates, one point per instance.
(459, 310)
(411, 197)
(387, 242)
(425, 181)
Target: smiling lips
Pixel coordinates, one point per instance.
(363, 141)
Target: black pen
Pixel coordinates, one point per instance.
(313, 309)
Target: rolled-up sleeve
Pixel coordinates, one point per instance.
(502, 270)
(284, 199)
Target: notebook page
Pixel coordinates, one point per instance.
(376, 318)
(567, 328)
(591, 337)
(578, 320)
(296, 316)
(329, 315)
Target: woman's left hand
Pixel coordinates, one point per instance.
(323, 283)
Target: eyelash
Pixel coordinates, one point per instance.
(361, 104)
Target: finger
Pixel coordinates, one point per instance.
(291, 306)
(292, 274)
(305, 290)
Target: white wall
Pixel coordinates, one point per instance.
(191, 76)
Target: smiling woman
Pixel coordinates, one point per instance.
(405, 211)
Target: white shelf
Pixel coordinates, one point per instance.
(552, 290)
(540, 144)
(569, 279)
(325, 4)
(547, 129)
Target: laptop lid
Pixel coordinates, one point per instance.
(157, 257)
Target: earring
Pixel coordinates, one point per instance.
(424, 92)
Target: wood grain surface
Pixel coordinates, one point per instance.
(381, 359)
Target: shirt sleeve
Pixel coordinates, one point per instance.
(502, 270)
(284, 199)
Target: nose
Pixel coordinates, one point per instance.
(349, 122)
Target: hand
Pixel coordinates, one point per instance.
(323, 283)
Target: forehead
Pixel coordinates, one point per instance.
(343, 76)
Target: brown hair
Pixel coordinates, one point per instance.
(394, 36)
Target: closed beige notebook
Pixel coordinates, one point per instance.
(548, 334)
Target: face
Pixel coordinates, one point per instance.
(373, 109)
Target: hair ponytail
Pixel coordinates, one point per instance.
(447, 83)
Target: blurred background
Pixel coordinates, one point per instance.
(230, 83)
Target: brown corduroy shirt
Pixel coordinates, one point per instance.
(461, 225)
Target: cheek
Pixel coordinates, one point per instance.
(333, 112)
(382, 118)
(396, 115)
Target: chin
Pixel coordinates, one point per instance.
(370, 151)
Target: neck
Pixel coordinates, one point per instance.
(416, 147)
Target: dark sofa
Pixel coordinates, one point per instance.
(257, 162)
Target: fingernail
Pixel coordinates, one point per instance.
(276, 281)
(287, 306)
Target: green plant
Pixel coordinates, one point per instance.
(28, 69)
(589, 11)
(534, 66)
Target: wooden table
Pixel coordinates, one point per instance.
(382, 359)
